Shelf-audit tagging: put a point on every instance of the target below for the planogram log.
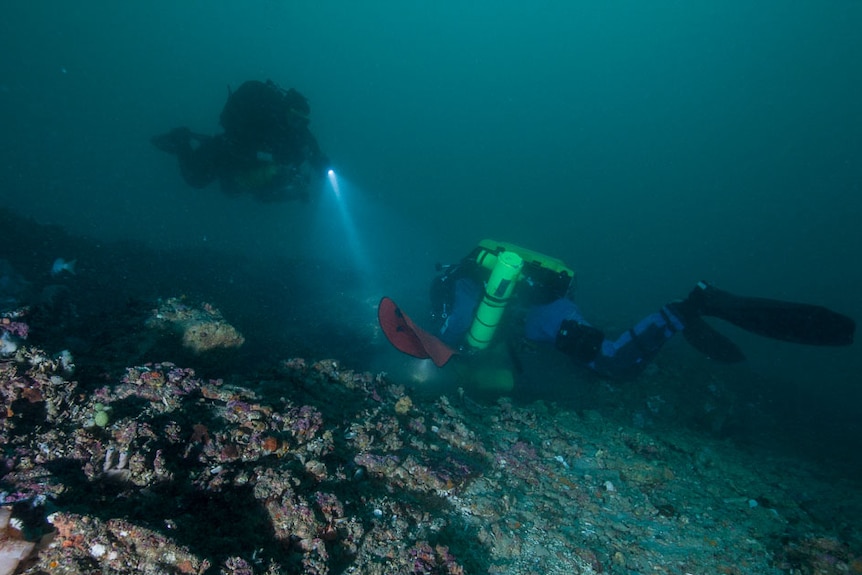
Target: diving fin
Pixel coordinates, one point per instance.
(703, 337)
(409, 338)
(787, 321)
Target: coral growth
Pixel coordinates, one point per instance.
(201, 328)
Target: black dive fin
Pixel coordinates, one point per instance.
(701, 336)
(787, 321)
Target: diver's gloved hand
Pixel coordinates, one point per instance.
(543, 322)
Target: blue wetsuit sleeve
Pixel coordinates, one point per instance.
(468, 294)
(543, 321)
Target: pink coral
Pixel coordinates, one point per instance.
(18, 328)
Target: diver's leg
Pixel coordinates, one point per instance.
(198, 163)
(630, 353)
(561, 323)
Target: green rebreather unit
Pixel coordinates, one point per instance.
(498, 291)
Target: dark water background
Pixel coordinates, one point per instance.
(647, 144)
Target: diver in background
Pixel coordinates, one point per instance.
(266, 150)
(468, 300)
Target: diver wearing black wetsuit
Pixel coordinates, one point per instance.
(267, 148)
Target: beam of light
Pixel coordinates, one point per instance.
(333, 181)
(369, 250)
(348, 222)
(388, 250)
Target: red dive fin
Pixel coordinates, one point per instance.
(409, 338)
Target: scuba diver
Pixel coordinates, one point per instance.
(469, 298)
(266, 150)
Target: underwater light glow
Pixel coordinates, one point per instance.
(333, 181)
(344, 204)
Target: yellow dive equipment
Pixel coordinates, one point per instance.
(260, 176)
(488, 251)
(504, 275)
(509, 264)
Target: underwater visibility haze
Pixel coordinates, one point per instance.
(648, 145)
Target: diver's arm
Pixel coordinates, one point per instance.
(315, 156)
